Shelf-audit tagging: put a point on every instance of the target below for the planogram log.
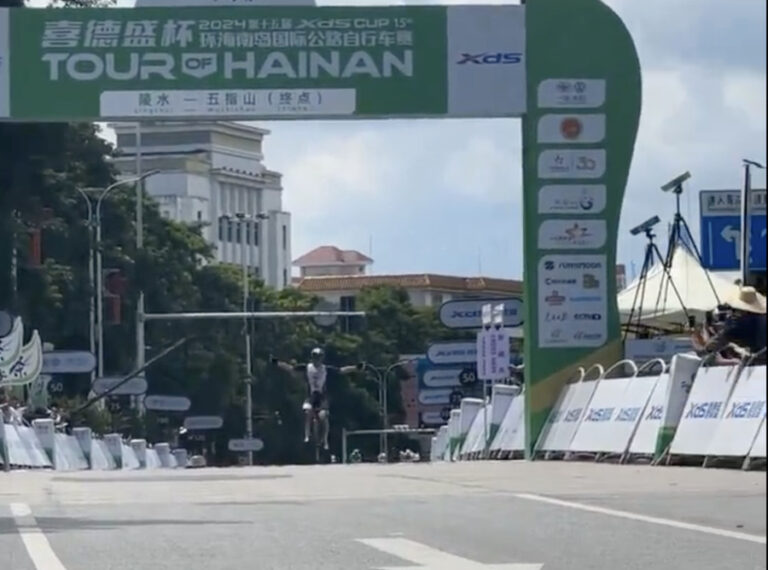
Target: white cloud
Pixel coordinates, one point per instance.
(485, 169)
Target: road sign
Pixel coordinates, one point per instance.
(493, 354)
(454, 352)
(326, 320)
(55, 387)
(167, 403)
(240, 445)
(468, 377)
(467, 313)
(721, 229)
(133, 387)
(203, 422)
(68, 362)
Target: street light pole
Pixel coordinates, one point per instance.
(91, 281)
(243, 221)
(99, 269)
(382, 377)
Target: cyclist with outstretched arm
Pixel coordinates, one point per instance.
(316, 375)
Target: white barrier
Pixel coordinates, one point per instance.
(167, 460)
(101, 458)
(474, 440)
(561, 433)
(130, 461)
(502, 397)
(743, 415)
(440, 444)
(704, 409)
(469, 409)
(454, 430)
(67, 454)
(758, 447)
(504, 441)
(84, 437)
(35, 451)
(153, 460)
(181, 458)
(644, 441)
(114, 444)
(139, 448)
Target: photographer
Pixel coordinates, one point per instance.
(742, 325)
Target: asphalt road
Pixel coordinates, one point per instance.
(474, 516)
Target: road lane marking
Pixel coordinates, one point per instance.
(644, 518)
(427, 558)
(38, 547)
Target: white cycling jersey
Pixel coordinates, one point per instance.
(316, 377)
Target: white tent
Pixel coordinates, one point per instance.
(661, 307)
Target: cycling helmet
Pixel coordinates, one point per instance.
(317, 353)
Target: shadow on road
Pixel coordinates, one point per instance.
(62, 524)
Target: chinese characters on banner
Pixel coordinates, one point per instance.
(493, 354)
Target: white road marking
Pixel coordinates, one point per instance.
(644, 518)
(427, 558)
(38, 547)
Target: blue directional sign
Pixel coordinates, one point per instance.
(721, 230)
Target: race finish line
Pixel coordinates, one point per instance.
(568, 68)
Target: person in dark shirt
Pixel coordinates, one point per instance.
(744, 329)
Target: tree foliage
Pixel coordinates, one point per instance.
(44, 170)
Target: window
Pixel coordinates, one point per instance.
(238, 233)
(346, 303)
(437, 298)
(222, 231)
(199, 215)
(285, 278)
(285, 236)
(248, 232)
(255, 233)
(230, 230)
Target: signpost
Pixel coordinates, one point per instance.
(568, 67)
(167, 403)
(466, 313)
(134, 387)
(720, 212)
(203, 422)
(68, 362)
(245, 445)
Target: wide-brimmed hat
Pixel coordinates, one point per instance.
(747, 299)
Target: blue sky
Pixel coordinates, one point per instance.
(445, 196)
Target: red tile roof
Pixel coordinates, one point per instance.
(332, 255)
(411, 281)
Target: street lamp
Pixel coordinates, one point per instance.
(99, 285)
(243, 221)
(382, 377)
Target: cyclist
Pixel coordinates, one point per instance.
(317, 394)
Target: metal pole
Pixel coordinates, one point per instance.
(99, 293)
(247, 334)
(344, 446)
(745, 233)
(91, 282)
(140, 342)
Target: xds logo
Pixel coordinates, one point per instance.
(549, 265)
(655, 413)
(491, 58)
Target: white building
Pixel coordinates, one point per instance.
(210, 173)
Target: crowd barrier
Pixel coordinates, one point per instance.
(682, 412)
(41, 447)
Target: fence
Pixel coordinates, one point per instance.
(40, 447)
(682, 413)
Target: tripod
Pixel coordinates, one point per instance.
(677, 237)
(651, 253)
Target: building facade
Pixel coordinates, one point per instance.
(330, 260)
(424, 289)
(213, 174)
